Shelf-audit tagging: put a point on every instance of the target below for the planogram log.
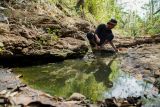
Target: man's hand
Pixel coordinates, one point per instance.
(115, 49)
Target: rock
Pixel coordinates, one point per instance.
(143, 60)
(71, 43)
(77, 97)
(133, 100)
(4, 28)
(8, 80)
(2, 8)
(3, 92)
(157, 73)
(120, 102)
(3, 18)
(146, 72)
(31, 96)
(150, 79)
(5, 53)
(19, 76)
(26, 95)
(84, 26)
(39, 104)
(157, 83)
(109, 103)
(71, 104)
(25, 50)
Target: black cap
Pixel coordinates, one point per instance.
(113, 21)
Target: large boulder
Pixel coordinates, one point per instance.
(77, 97)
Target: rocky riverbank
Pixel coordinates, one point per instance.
(30, 34)
(40, 33)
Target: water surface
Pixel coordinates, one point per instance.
(96, 79)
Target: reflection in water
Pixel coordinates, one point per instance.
(91, 78)
(104, 71)
(126, 85)
(63, 79)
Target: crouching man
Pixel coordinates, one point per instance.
(103, 35)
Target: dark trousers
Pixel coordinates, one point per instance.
(92, 39)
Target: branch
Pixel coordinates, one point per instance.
(157, 11)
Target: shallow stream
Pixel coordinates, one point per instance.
(97, 78)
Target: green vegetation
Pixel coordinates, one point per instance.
(85, 84)
(129, 23)
(114, 68)
(52, 33)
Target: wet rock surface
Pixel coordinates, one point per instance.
(8, 80)
(128, 102)
(143, 59)
(143, 63)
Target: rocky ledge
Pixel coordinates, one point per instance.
(30, 32)
(142, 62)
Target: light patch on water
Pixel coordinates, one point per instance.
(126, 85)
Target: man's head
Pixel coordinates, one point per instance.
(112, 23)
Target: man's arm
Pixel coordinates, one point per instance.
(111, 43)
(97, 38)
(97, 41)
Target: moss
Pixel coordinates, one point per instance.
(52, 33)
(54, 37)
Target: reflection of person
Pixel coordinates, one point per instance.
(103, 71)
(103, 35)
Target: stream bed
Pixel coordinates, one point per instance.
(96, 78)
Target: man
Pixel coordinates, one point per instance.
(103, 35)
(79, 3)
